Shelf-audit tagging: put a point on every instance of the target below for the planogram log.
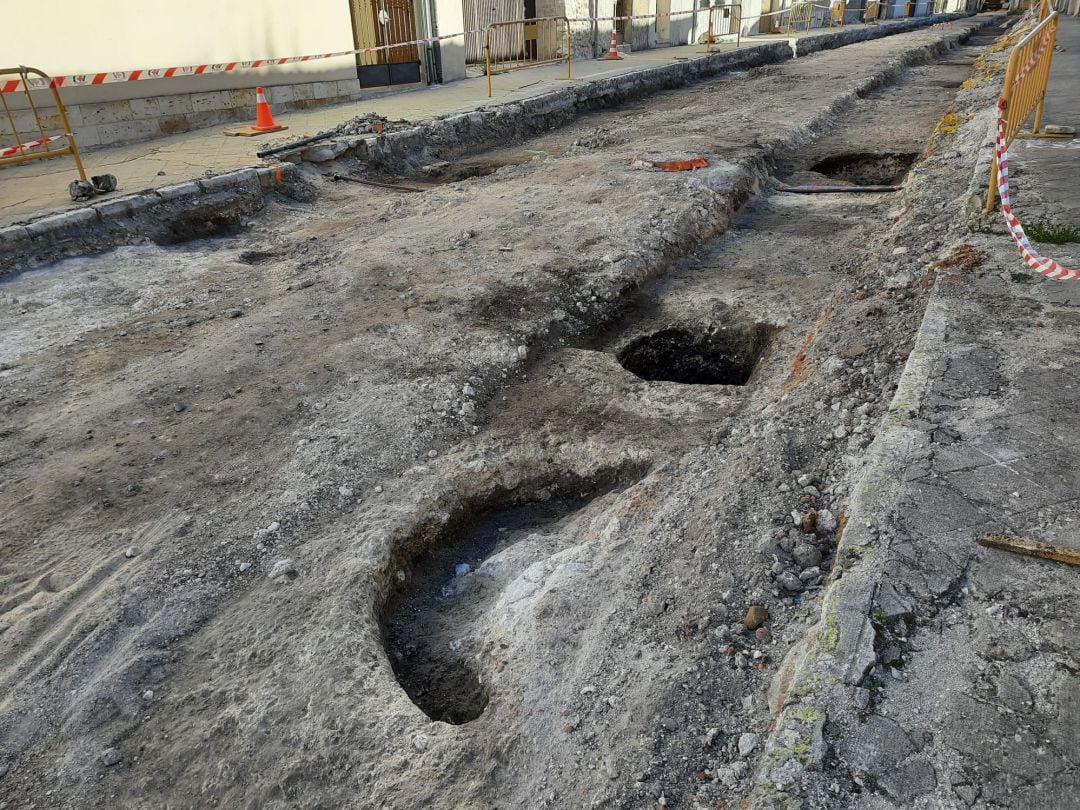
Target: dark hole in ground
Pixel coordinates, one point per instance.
(437, 174)
(867, 168)
(717, 356)
(429, 620)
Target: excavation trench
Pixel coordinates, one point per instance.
(447, 577)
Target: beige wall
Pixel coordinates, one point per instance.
(106, 35)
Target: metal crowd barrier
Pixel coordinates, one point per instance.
(42, 147)
(724, 21)
(526, 43)
(1024, 91)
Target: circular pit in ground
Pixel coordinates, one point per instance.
(715, 356)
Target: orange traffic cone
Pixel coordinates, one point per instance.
(613, 51)
(776, 25)
(264, 119)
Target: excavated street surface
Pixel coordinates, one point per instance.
(462, 498)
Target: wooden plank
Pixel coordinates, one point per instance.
(1031, 547)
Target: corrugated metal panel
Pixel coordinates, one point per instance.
(479, 14)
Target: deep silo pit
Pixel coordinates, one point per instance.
(719, 355)
(867, 168)
(448, 576)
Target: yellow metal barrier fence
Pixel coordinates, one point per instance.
(1024, 91)
(836, 13)
(39, 147)
(526, 43)
(801, 14)
(723, 22)
(871, 13)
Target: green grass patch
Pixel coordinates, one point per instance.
(1052, 233)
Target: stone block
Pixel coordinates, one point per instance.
(112, 209)
(27, 124)
(243, 99)
(144, 108)
(137, 202)
(206, 102)
(62, 222)
(173, 124)
(179, 191)
(229, 180)
(108, 112)
(324, 89)
(282, 94)
(125, 131)
(13, 235)
(348, 87)
(303, 92)
(87, 135)
(174, 105)
(323, 152)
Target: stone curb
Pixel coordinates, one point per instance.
(836, 653)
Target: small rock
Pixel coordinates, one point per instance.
(378, 488)
(461, 569)
(806, 555)
(747, 743)
(834, 366)
(468, 391)
(763, 635)
(148, 695)
(841, 432)
(283, 570)
(826, 522)
(755, 617)
(862, 698)
(789, 581)
(130, 552)
(432, 453)
(806, 479)
(345, 492)
(710, 737)
(110, 757)
(3, 769)
(810, 574)
(522, 353)
(179, 407)
(244, 566)
(731, 775)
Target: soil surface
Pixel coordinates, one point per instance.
(371, 506)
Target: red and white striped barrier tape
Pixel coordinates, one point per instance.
(1040, 264)
(22, 147)
(110, 77)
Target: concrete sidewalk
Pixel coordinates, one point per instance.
(39, 188)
